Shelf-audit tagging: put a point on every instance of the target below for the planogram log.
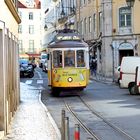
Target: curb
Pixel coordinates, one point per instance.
(102, 81)
(51, 119)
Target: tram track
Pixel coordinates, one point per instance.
(85, 126)
(91, 133)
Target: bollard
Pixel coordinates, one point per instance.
(66, 128)
(63, 125)
(77, 132)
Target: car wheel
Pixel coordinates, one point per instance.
(31, 75)
(118, 81)
(132, 90)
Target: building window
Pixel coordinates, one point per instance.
(31, 29)
(15, 3)
(94, 22)
(20, 45)
(20, 14)
(30, 15)
(100, 21)
(31, 46)
(89, 1)
(19, 29)
(125, 17)
(85, 25)
(81, 27)
(89, 20)
(84, 1)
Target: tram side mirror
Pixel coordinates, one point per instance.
(48, 56)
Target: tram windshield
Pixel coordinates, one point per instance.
(80, 58)
(57, 59)
(69, 58)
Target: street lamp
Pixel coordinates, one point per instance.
(130, 3)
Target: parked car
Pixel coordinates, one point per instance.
(45, 66)
(117, 75)
(26, 68)
(43, 57)
(127, 71)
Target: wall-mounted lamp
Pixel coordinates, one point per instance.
(62, 13)
(130, 3)
(46, 27)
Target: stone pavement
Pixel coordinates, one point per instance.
(102, 79)
(32, 120)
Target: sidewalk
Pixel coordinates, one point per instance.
(32, 120)
(100, 78)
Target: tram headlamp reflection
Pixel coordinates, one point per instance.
(70, 79)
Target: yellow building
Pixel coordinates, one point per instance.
(112, 30)
(9, 70)
(126, 30)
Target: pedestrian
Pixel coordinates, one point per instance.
(93, 66)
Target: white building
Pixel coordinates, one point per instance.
(30, 34)
(57, 13)
(9, 71)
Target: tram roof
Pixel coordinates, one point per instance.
(67, 38)
(68, 44)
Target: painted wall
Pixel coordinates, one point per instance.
(36, 22)
(7, 17)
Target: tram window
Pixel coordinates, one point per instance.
(57, 59)
(69, 58)
(80, 58)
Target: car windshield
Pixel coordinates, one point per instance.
(44, 56)
(23, 61)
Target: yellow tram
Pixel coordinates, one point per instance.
(68, 62)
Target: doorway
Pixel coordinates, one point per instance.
(123, 53)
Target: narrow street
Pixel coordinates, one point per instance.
(116, 109)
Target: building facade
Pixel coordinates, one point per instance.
(126, 31)
(110, 27)
(30, 29)
(57, 14)
(9, 70)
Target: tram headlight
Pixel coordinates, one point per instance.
(70, 79)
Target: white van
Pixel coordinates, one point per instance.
(127, 71)
(43, 57)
